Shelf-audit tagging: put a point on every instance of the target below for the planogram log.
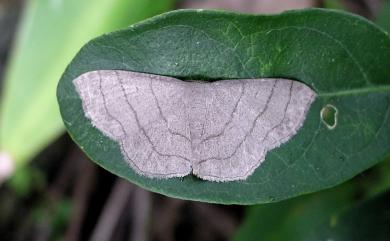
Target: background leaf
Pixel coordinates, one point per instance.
(383, 19)
(335, 214)
(293, 219)
(368, 221)
(346, 68)
(50, 34)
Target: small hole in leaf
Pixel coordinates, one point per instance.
(329, 116)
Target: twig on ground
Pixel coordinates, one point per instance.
(213, 218)
(140, 208)
(165, 218)
(112, 210)
(82, 190)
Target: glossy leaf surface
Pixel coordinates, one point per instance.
(344, 58)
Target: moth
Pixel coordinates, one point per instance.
(219, 131)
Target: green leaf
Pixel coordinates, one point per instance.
(368, 221)
(348, 69)
(383, 18)
(50, 34)
(294, 219)
(334, 4)
(328, 215)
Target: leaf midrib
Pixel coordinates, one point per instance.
(373, 89)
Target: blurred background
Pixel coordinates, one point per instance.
(50, 191)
